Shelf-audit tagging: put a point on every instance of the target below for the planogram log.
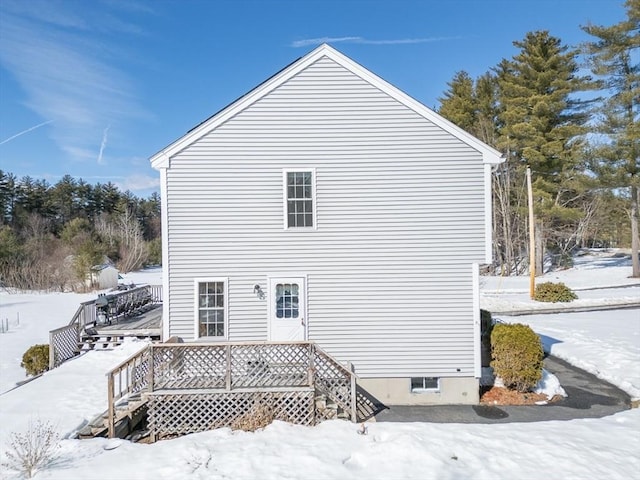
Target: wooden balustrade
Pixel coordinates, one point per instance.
(230, 376)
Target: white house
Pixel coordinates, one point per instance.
(327, 205)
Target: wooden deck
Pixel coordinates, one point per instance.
(144, 323)
(193, 387)
(107, 320)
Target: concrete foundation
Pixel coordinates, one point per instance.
(397, 391)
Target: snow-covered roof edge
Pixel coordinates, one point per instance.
(161, 159)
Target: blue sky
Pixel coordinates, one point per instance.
(93, 88)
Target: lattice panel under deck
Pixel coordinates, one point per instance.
(180, 414)
(189, 366)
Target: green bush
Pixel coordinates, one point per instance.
(553, 292)
(517, 355)
(36, 359)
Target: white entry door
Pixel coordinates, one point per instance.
(287, 309)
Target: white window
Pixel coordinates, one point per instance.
(299, 198)
(425, 384)
(211, 307)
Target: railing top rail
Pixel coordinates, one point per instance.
(74, 319)
(181, 346)
(59, 329)
(126, 362)
(224, 344)
(254, 343)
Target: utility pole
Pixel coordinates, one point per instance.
(532, 242)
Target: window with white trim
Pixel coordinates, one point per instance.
(299, 199)
(425, 384)
(211, 308)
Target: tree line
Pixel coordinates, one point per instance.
(52, 236)
(572, 115)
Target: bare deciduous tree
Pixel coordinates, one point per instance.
(133, 249)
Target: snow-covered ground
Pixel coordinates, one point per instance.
(30, 317)
(607, 343)
(598, 278)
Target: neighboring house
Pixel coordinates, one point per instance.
(327, 205)
(103, 276)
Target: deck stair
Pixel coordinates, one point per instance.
(128, 415)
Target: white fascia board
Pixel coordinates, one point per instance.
(477, 348)
(164, 224)
(161, 159)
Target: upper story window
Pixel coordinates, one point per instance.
(300, 199)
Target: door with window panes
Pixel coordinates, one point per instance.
(287, 309)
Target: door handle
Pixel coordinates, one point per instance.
(302, 322)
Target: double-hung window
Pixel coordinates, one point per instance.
(211, 307)
(299, 193)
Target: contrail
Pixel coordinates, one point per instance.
(103, 144)
(25, 131)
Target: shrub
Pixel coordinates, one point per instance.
(36, 359)
(33, 450)
(258, 417)
(517, 355)
(553, 292)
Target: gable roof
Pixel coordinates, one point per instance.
(161, 159)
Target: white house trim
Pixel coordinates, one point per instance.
(161, 159)
(488, 215)
(165, 254)
(477, 354)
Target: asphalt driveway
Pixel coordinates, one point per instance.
(588, 397)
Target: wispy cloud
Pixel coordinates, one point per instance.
(68, 75)
(366, 41)
(136, 183)
(103, 145)
(25, 131)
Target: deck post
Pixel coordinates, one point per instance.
(52, 352)
(150, 379)
(354, 398)
(311, 371)
(227, 374)
(111, 420)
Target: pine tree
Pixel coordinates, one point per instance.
(614, 56)
(543, 124)
(472, 105)
(458, 104)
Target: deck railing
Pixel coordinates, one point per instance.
(64, 342)
(186, 370)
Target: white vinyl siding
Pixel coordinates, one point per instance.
(400, 207)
